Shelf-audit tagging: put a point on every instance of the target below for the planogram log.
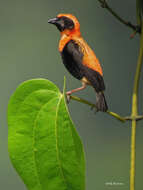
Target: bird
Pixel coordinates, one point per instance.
(79, 59)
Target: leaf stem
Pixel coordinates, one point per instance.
(135, 113)
(105, 5)
(115, 115)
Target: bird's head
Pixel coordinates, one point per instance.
(66, 24)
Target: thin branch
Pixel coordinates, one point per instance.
(140, 117)
(133, 155)
(105, 5)
(135, 112)
(133, 34)
(120, 118)
(115, 115)
(137, 118)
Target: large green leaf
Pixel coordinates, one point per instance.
(44, 146)
(139, 8)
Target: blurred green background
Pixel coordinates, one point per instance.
(29, 49)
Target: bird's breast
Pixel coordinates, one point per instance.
(63, 41)
(72, 59)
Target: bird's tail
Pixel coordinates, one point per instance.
(101, 102)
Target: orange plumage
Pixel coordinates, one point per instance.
(79, 58)
(89, 59)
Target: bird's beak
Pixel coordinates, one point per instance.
(53, 20)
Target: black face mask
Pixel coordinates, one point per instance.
(62, 23)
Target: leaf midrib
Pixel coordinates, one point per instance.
(33, 142)
(56, 135)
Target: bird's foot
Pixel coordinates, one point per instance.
(94, 109)
(68, 97)
(103, 3)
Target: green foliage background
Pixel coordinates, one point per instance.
(28, 49)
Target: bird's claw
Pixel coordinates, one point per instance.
(103, 3)
(68, 98)
(94, 109)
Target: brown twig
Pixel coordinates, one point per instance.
(136, 28)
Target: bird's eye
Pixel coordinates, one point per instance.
(62, 23)
(68, 23)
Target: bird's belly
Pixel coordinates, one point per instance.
(85, 80)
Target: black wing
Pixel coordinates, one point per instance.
(72, 56)
(95, 79)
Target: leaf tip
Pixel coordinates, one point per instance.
(64, 86)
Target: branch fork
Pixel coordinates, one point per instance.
(135, 28)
